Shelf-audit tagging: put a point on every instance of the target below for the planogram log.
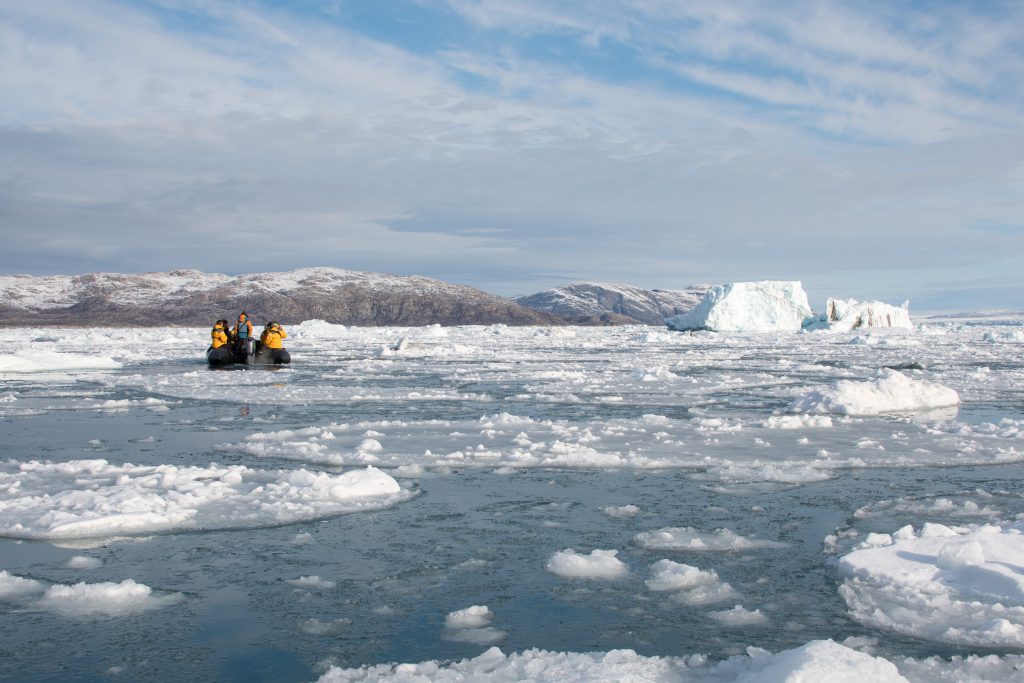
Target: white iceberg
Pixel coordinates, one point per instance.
(844, 315)
(765, 306)
(890, 391)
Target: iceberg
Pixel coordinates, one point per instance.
(844, 315)
(765, 306)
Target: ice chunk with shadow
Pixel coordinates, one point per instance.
(472, 625)
(599, 564)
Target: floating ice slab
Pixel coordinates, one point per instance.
(94, 499)
(961, 585)
(766, 306)
(689, 538)
(472, 625)
(43, 360)
(90, 600)
(599, 564)
(85, 600)
(689, 585)
(820, 661)
(890, 391)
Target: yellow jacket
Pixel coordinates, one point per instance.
(273, 336)
(219, 337)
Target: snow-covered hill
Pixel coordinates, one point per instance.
(196, 298)
(597, 303)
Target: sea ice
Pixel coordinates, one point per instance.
(312, 582)
(599, 564)
(619, 511)
(689, 585)
(890, 391)
(739, 616)
(83, 562)
(16, 587)
(472, 625)
(820, 660)
(689, 538)
(93, 498)
(844, 315)
(104, 599)
(960, 585)
(43, 360)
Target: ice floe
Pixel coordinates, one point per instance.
(472, 625)
(890, 391)
(85, 600)
(820, 660)
(44, 360)
(956, 584)
(94, 498)
(689, 538)
(599, 564)
(739, 617)
(687, 584)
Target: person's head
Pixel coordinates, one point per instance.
(242, 316)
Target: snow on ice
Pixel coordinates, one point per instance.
(689, 585)
(689, 538)
(93, 498)
(890, 391)
(85, 600)
(844, 315)
(472, 625)
(961, 584)
(820, 660)
(599, 564)
(43, 360)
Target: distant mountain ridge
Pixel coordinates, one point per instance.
(191, 297)
(595, 303)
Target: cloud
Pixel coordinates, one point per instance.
(519, 144)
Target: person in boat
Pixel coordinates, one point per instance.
(219, 334)
(220, 351)
(242, 333)
(272, 338)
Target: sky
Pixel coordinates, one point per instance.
(870, 149)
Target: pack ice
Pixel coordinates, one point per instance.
(96, 499)
(765, 306)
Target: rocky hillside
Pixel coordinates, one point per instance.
(189, 297)
(593, 303)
